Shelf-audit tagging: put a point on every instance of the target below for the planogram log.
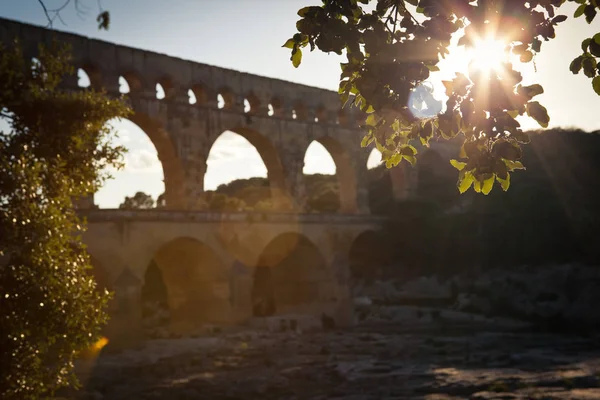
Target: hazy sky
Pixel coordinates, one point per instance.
(247, 35)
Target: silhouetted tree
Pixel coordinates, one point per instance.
(139, 201)
(390, 54)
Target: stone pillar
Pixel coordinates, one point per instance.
(110, 82)
(293, 164)
(362, 189)
(400, 177)
(188, 136)
(413, 180)
(125, 325)
(240, 281)
(194, 184)
(344, 307)
(84, 203)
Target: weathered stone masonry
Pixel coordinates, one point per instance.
(208, 260)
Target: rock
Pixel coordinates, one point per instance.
(427, 287)
(363, 301)
(584, 309)
(327, 322)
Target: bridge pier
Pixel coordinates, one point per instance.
(208, 265)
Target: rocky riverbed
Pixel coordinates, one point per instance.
(437, 359)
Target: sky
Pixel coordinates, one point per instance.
(246, 35)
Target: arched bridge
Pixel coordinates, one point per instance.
(210, 262)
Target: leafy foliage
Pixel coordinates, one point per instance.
(52, 153)
(254, 194)
(549, 216)
(140, 200)
(390, 53)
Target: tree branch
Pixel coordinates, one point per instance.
(410, 14)
(46, 12)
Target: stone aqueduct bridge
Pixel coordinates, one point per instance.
(209, 262)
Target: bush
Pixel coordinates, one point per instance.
(56, 145)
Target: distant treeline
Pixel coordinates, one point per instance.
(550, 214)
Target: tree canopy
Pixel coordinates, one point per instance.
(52, 154)
(140, 200)
(392, 46)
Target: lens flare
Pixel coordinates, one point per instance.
(487, 54)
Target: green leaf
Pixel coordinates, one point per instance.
(504, 183)
(595, 48)
(465, 181)
(589, 66)
(526, 57)
(536, 45)
(408, 150)
(558, 19)
(411, 159)
(296, 57)
(289, 44)
(367, 140)
(597, 38)
(103, 20)
(393, 160)
(488, 184)
(585, 44)
(590, 12)
(477, 186)
(576, 65)
(513, 165)
(303, 11)
(432, 68)
(459, 165)
(530, 91)
(534, 90)
(513, 113)
(371, 120)
(538, 112)
(596, 84)
(579, 11)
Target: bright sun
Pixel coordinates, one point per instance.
(487, 54)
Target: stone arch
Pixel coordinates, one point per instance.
(168, 87)
(435, 176)
(400, 179)
(321, 114)
(253, 103)
(368, 255)
(270, 157)
(173, 172)
(196, 282)
(300, 111)
(345, 173)
(93, 73)
(342, 118)
(275, 107)
(134, 81)
(291, 277)
(200, 93)
(228, 98)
